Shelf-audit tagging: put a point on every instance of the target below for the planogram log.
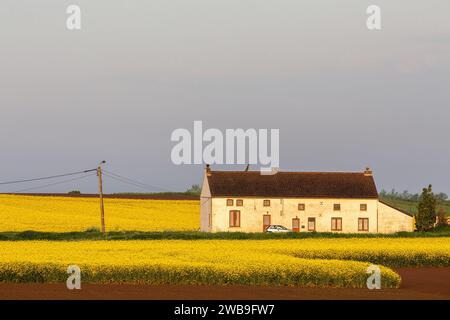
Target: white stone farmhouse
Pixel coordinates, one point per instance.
(345, 202)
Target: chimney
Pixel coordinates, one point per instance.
(208, 170)
(368, 172)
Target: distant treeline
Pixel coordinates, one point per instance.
(405, 195)
(194, 191)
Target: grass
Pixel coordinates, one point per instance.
(94, 234)
(411, 206)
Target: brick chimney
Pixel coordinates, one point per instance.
(208, 170)
(368, 172)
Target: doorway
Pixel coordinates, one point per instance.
(266, 222)
(296, 225)
(311, 224)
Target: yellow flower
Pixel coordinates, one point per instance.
(306, 262)
(63, 214)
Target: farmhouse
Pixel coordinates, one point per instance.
(247, 201)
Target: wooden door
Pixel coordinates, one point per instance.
(311, 224)
(296, 225)
(266, 221)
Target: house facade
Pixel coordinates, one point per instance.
(247, 201)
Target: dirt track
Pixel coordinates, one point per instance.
(417, 283)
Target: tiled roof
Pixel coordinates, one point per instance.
(292, 184)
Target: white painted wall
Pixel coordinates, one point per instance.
(382, 219)
(392, 220)
(205, 206)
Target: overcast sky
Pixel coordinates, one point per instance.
(342, 96)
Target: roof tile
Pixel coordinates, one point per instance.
(292, 184)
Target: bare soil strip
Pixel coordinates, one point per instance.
(418, 283)
(156, 196)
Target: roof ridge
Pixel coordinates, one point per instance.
(293, 172)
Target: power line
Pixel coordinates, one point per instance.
(129, 182)
(109, 174)
(55, 183)
(123, 181)
(49, 177)
(139, 185)
(132, 181)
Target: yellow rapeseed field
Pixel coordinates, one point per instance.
(337, 262)
(216, 262)
(306, 262)
(63, 214)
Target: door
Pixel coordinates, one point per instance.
(266, 221)
(311, 224)
(296, 225)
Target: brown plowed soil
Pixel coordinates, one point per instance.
(155, 196)
(417, 283)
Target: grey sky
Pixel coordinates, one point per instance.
(342, 96)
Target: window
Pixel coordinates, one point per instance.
(336, 224)
(229, 202)
(266, 203)
(210, 220)
(311, 224)
(239, 202)
(235, 218)
(363, 207)
(301, 207)
(337, 207)
(363, 224)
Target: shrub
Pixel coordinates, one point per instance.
(426, 215)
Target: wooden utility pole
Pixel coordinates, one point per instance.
(100, 191)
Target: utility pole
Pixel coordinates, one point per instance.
(100, 191)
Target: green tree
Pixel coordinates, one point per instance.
(195, 188)
(441, 197)
(426, 215)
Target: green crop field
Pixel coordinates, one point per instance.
(411, 206)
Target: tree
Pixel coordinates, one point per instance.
(426, 215)
(195, 188)
(394, 194)
(405, 195)
(415, 197)
(441, 197)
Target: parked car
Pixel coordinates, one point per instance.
(277, 228)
